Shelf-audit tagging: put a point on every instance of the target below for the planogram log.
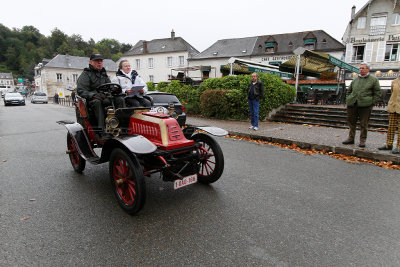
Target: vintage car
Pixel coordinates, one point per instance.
(137, 143)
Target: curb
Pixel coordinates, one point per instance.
(360, 153)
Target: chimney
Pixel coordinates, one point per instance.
(172, 34)
(353, 12)
(144, 47)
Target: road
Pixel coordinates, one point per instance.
(272, 207)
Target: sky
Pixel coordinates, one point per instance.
(200, 23)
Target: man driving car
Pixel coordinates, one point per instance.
(91, 78)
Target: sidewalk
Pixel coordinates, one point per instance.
(305, 136)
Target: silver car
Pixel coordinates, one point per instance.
(13, 99)
(39, 97)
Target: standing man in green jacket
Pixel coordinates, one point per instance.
(361, 96)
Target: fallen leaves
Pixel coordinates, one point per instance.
(24, 218)
(347, 158)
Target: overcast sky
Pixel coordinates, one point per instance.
(201, 23)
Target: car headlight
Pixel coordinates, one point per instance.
(113, 122)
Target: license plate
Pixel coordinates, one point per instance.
(191, 179)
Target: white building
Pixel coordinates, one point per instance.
(155, 59)
(266, 49)
(7, 82)
(373, 36)
(61, 73)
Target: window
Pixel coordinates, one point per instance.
(59, 77)
(181, 61)
(151, 78)
(270, 47)
(151, 63)
(361, 22)
(74, 77)
(396, 19)
(138, 64)
(358, 53)
(378, 25)
(169, 61)
(392, 52)
(309, 44)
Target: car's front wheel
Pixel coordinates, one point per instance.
(78, 163)
(211, 159)
(127, 180)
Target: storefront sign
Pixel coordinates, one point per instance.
(260, 70)
(381, 75)
(343, 65)
(389, 38)
(277, 58)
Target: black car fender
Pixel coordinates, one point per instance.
(136, 144)
(216, 131)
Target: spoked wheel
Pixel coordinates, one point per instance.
(211, 159)
(127, 180)
(78, 163)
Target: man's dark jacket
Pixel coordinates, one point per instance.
(89, 80)
(258, 90)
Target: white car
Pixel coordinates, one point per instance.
(14, 99)
(39, 97)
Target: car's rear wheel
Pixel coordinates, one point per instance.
(78, 163)
(211, 159)
(127, 180)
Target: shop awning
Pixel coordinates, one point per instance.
(273, 72)
(315, 63)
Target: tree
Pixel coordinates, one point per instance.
(57, 38)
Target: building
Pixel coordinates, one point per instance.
(373, 36)
(267, 49)
(155, 59)
(7, 82)
(61, 73)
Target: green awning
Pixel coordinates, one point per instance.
(305, 88)
(315, 63)
(268, 45)
(237, 68)
(273, 72)
(275, 63)
(309, 41)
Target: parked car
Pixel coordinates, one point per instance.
(163, 99)
(39, 97)
(14, 99)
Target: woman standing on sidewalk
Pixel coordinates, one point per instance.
(393, 110)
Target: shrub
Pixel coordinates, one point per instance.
(151, 86)
(226, 97)
(162, 86)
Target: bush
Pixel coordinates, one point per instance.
(162, 86)
(233, 100)
(226, 98)
(151, 86)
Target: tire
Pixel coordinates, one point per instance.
(78, 163)
(127, 180)
(211, 159)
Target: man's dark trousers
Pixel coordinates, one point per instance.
(98, 106)
(355, 112)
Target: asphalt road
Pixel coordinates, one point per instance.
(272, 207)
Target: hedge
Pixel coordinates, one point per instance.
(226, 97)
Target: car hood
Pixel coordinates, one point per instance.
(13, 98)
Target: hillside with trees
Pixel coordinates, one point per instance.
(22, 49)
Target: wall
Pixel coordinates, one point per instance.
(161, 70)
